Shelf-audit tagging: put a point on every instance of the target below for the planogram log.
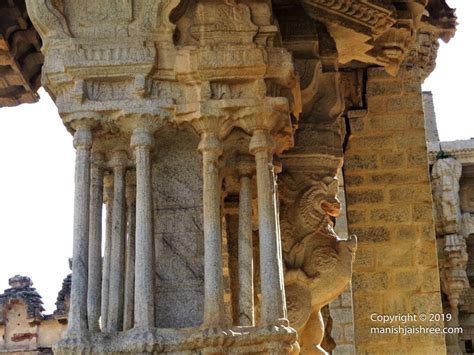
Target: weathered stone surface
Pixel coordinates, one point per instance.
(178, 232)
(23, 326)
(281, 83)
(446, 174)
(396, 234)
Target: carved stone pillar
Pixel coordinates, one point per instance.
(130, 194)
(108, 199)
(117, 264)
(246, 285)
(95, 242)
(144, 312)
(445, 174)
(273, 310)
(445, 181)
(454, 282)
(211, 148)
(77, 323)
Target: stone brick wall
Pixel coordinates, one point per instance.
(343, 323)
(341, 308)
(390, 210)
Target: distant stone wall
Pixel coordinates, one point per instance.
(390, 210)
(23, 327)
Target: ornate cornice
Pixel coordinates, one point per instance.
(366, 32)
(371, 17)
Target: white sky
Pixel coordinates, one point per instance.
(452, 80)
(37, 180)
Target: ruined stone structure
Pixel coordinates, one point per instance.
(24, 328)
(452, 176)
(184, 112)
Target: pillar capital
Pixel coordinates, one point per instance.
(245, 165)
(262, 141)
(108, 188)
(119, 159)
(220, 126)
(142, 136)
(143, 121)
(97, 160)
(83, 137)
(210, 143)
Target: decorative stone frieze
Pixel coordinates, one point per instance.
(151, 72)
(445, 181)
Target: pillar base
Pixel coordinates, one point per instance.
(276, 339)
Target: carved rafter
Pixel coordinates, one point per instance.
(20, 56)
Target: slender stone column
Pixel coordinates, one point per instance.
(271, 266)
(130, 194)
(211, 148)
(246, 292)
(142, 141)
(77, 323)
(117, 265)
(108, 199)
(95, 242)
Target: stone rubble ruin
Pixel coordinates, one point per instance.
(23, 326)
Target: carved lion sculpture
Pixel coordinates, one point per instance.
(318, 263)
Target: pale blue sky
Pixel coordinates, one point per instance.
(36, 189)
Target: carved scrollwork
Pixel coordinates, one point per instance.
(315, 257)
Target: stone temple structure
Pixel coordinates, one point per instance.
(452, 174)
(214, 131)
(24, 329)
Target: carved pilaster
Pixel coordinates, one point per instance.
(318, 263)
(445, 183)
(454, 282)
